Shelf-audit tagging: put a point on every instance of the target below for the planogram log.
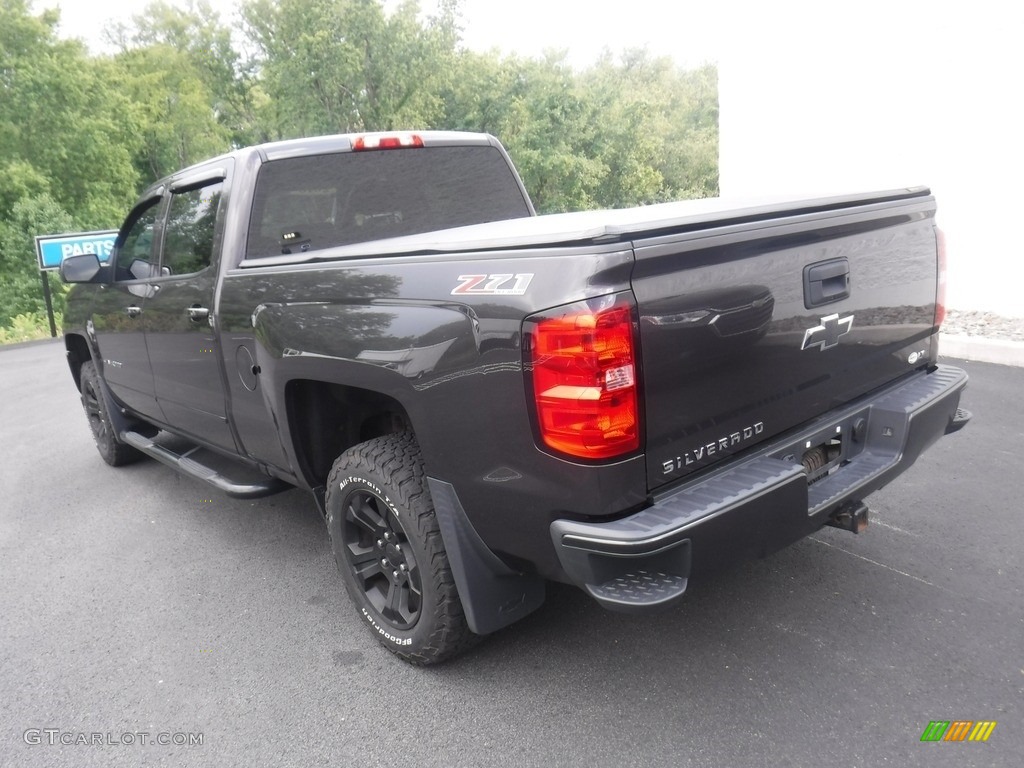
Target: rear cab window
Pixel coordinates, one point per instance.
(321, 201)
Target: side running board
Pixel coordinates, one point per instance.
(231, 477)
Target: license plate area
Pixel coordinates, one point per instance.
(824, 458)
(826, 450)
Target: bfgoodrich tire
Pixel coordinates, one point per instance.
(113, 451)
(389, 551)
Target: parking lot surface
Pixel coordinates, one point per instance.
(137, 604)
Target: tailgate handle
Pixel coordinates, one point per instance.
(826, 282)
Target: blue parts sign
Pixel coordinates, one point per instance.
(53, 249)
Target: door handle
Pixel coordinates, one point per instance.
(197, 313)
(133, 311)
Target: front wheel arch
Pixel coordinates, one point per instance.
(78, 354)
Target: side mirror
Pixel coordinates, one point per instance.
(80, 269)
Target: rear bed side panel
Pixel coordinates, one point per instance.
(400, 326)
(733, 352)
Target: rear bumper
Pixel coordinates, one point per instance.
(759, 503)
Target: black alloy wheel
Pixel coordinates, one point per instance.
(382, 559)
(111, 449)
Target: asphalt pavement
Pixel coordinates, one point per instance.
(138, 605)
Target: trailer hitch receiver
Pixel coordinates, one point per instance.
(852, 516)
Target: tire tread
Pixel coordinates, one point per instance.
(113, 451)
(397, 459)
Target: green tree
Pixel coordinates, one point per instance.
(169, 107)
(20, 180)
(59, 116)
(203, 45)
(65, 159)
(334, 66)
(657, 129)
(81, 133)
(22, 293)
(542, 116)
(614, 135)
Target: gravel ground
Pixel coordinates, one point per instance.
(985, 324)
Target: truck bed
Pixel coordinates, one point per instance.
(601, 226)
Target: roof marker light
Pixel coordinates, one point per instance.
(386, 141)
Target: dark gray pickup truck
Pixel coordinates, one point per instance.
(481, 399)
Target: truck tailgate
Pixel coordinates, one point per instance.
(751, 328)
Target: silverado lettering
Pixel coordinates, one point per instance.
(722, 444)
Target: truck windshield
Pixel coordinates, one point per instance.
(315, 202)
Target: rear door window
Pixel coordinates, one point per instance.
(191, 224)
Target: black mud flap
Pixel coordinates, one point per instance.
(493, 595)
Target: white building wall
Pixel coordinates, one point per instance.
(818, 98)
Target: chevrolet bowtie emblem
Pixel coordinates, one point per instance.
(826, 335)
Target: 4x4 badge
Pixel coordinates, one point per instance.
(826, 335)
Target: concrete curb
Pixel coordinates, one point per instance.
(982, 350)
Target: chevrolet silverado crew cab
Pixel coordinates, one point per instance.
(480, 399)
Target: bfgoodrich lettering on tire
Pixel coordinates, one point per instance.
(389, 551)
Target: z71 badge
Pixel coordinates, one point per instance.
(493, 285)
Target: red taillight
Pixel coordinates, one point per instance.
(940, 293)
(386, 141)
(584, 380)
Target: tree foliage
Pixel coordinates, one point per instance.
(81, 133)
(335, 66)
(58, 118)
(21, 291)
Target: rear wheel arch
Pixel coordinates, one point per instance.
(325, 419)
